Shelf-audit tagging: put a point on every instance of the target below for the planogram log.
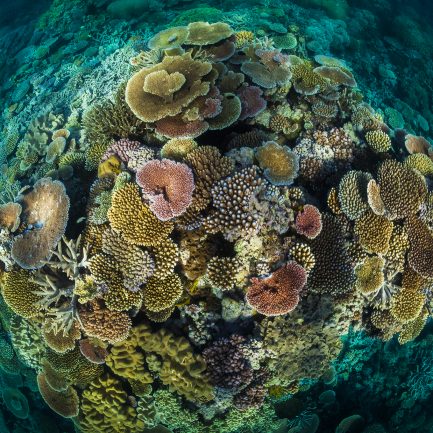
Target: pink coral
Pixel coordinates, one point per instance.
(168, 185)
(121, 148)
(252, 101)
(279, 293)
(309, 221)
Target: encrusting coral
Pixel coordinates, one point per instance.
(222, 221)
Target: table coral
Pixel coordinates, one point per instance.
(279, 293)
(45, 215)
(279, 163)
(167, 185)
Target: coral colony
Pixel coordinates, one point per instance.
(190, 261)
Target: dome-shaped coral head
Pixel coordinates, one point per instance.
(168, 185)
(309, 221)
(44, 216)
(279, 293)
(279, 163)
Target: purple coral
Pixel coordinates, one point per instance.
(252, 101)
(227, 363)
(121, 148)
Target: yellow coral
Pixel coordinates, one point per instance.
(420, 162)
(402, 189)
(407, 304)
(373, 232)
(134, 220)
(160, 294)
(378, 141)
(279, 163)
(178, 148)
(303, 255)
(176, 364)
(109, 167)
(18, 291)
(369, 275)
(105, 408)
(244, 37)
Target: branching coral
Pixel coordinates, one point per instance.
(131, 217)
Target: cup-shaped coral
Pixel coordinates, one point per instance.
(168, 185)
(279, 163)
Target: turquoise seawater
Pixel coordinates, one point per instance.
(216, 217)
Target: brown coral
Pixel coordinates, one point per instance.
(45, 215)
(134, 220)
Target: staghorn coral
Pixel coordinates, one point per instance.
(279, 293)
(168, 185)
(45, 215)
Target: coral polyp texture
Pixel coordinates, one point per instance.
(189, 254)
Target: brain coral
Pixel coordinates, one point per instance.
(168, 185)
(279, 293)
(279, 163)
(45, 215)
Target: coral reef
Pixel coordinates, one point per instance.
(202, 221)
